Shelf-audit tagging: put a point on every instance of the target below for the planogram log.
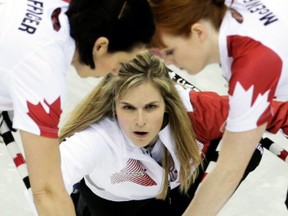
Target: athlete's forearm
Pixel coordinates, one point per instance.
(54, 204)
(43, 163)
(213, 193)
(220, 184)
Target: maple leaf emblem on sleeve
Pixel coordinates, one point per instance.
(248, 106)
(46, 121)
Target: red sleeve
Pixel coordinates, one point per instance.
(210, 111)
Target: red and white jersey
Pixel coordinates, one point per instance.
(35, 52)
(113, 167)
(254, 58)
(117, 170)
(208, 112)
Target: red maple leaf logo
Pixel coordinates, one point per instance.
(47, 122)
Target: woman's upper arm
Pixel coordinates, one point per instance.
(255, 73)
(78, 158)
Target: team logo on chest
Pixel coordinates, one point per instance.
(133, 172)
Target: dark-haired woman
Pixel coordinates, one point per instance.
(39, 39)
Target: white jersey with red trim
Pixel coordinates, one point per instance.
(117, 170)
(36, 51)
(254, 58)
(113, 167)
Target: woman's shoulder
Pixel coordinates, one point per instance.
(107, 124)
(103, 133)
(106, 130)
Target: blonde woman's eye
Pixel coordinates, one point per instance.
(151, 106)
(128, 107)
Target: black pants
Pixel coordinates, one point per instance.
(91, 205)
(88, 204)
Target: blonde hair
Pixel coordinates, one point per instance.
(101, 102)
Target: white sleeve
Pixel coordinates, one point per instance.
(78, 157)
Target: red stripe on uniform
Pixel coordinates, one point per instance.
(19, 160)
(283, 155)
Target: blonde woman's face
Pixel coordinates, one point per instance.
(140, 113)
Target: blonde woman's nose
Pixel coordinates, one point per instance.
(140, 119)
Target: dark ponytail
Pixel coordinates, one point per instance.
(219, 3)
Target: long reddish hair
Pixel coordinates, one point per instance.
(176, 17)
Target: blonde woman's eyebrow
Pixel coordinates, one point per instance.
(127, 103)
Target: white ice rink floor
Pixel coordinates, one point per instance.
(261, 194)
